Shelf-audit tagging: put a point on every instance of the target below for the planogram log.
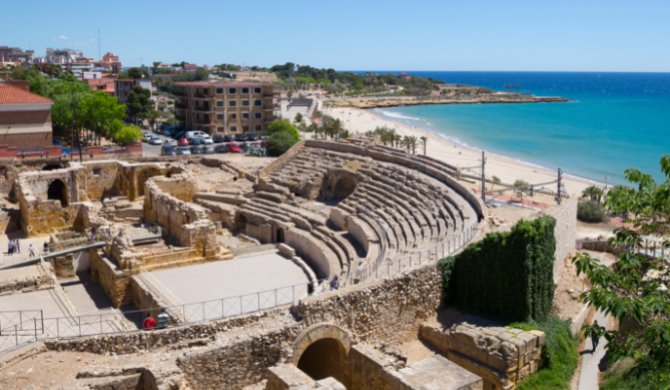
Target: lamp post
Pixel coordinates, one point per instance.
(606, 178)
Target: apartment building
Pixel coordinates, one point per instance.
(25, 118)
(226, 108)
(122, 87)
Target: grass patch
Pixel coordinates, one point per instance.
(619, 377)
(559, 352)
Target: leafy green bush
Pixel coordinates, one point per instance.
(279, 143)
(560, 354)
(282, 126)
(520, 183)
(591, 211)
(507, 276)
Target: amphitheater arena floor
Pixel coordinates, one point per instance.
(231, 278)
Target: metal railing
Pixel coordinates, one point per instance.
(649, 247)
(11, 319)
(64, 299)
(116, 322)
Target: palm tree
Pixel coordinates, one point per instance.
(153, 118)
(36, 67)
(412, 140)
(397, 138)
(424, 141)
(496, 180)
(594, 193)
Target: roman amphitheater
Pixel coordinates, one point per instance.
(241, 253)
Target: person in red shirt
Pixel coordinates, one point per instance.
(149, 323)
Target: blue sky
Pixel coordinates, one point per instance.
(522, 35)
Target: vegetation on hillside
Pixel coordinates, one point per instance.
(591, 211)
(279, 143)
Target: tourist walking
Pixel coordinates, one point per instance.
(335, 284)
(46, 248)
(18, 246)
(163, 320)
(10, 247)
(32, 250)
(595, 339)
(149, 323)
(310, 289)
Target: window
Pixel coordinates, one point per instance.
(245, 115)
(245, 103)
(232, 91)
(245, 129)
(197, 90)
(219, 129)
(259, 127)
(219, 103)
(258, 102)
(219, 117)
(258, 115)
(245, 90)
(232, 103)
(219, 91)
(233, 129)
(258, 90)
(96, 172)
(233, 117)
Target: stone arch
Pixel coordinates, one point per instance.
(280, 234)
(145, 175)
(52, 167)
(57, 190)
(241, 222)
(322, 351)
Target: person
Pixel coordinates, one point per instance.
(46, 248)
(109, 232)
(10, 247)
(335, 283)
(149, 323)
(163, 320)
(32, 250)
(18, 246)
(47, 154)
(88, 236)
(310, 289)
(93, 235)
(594, 336)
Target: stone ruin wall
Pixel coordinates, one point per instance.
(565, 233)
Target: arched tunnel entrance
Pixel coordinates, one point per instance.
(322, 351)
(58, 191)
(344, 187)
(325, 358)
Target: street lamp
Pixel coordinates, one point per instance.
(606, 178)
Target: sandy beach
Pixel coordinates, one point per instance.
(506, 169)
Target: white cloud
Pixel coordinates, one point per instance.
(53, 39)
(92, 40)
(76, 43)
(62, 37)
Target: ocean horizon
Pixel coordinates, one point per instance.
(616, 121)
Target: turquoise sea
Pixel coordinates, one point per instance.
(617, 120)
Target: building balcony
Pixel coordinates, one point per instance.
(203, 96)
(271, 119)
(180, 93)
(203, 109)
(271, 94)
(180, 117)
(274, 107)
(181, 106)
(204, 122)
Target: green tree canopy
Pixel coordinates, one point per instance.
(283, 126)
(636, 286)
(139, 102)
(135, 73)
(128, 134)
(21, 73)
(279, 143)
(99, 110)
(201, 74)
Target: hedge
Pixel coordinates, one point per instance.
(506, 276)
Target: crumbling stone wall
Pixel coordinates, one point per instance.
(115, 282)
(102, 179)
(565, 232)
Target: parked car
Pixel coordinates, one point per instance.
(156, 141)
(208, 149)
(194, 141)
(171, 141)
(228, 138)
(263, 144)
(183, 151)
(145, 137)
(218, 139)
(233, 148)
(196, 150)
(252, 137)
(206, 140)
(183, 142)
(240, 137)
(168, 150)
(221, 149)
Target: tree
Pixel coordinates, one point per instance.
(115, 69)
(99, 110)
(636, 287)
(594, 193)
(139, 102)
(495, 180)
(283, 126)
(298, 118)
(412, 140)
(424, 142)
(54, 70)
(128, 134)
(135, 73)
(279, 143)
(20, 73)
(36, 67)
(153, 118)
(201, 74)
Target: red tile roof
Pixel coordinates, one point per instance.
(11, 95)
(223, 83)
